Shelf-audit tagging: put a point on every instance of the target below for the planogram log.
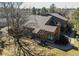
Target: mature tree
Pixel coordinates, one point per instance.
(77, 14)
(38, 11)
(76, 19)
(44, 11)
(52, 8)
(34, 10)
(15, 19)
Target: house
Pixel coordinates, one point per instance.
(47, 27)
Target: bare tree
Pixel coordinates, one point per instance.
(15, 19)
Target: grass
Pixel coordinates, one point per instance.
(36, 49)
(39, 50)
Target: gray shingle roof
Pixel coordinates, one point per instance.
(59, 16)
(3, 20)
(49, 28)
(38, 22)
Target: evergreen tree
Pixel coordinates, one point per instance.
(44, 11)
(38, 11)
(52, 8)
(33, 10)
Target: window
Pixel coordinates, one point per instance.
(50, 37)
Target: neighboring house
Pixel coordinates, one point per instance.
(3, 22)
(47, 27)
